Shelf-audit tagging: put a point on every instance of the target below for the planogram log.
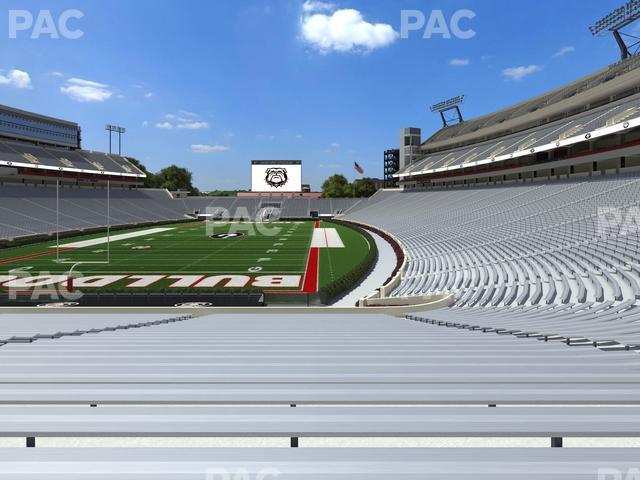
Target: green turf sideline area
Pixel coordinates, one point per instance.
(213, 256)
(336, 262)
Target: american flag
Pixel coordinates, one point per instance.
(358, 168)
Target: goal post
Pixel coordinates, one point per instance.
(69, 282)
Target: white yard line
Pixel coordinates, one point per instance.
(326, 238)
(113, 238)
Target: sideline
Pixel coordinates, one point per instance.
(382, 270)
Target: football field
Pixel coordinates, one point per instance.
(198, 256)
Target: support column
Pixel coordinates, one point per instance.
(294, 440)
(31, 442)
(556, 442)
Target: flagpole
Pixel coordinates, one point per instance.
(358, 170)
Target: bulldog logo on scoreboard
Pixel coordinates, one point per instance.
(276, 177)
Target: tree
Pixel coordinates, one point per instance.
(172, 178)
(364, 187)
(175, 178)
(336, 186)
(150, 181)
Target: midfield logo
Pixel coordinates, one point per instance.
(224, 236)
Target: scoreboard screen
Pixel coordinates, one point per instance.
(276, 176)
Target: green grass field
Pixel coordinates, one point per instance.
(190, 257)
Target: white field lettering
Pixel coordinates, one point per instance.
(148, 281)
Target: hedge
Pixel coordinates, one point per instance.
(344, 284)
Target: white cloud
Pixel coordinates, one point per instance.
(164, 125)
(343, 30)
(16, 78)
(200, 148)
(57, 74)
(459, 62)
(314, 6)
(86, 90)
(145, 124)
(563, 51)
(518, 73)
(179, 121)
(332, 148)
(191, 125)
(148, 95)
(264, 136)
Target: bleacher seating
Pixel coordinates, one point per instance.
(13, 153)
(525, 141)
(27, 210)
(587, 84)
(528, 245)
(366, 375)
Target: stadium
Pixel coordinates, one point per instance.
(479, 314)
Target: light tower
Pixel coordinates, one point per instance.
(119, 131)
(449, 110)
(614, 22)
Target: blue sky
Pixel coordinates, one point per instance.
(211, 85)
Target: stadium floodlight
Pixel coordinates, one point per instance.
(615, 21)
(119, 131)
(446, 106)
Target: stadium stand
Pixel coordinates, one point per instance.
(316, 463)
(553, 260)
(29, 210)
(369, 376)
(542, 244)
(601, 86)
(512, 213)
(34, 157)
(551, 135)
(588, 126)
